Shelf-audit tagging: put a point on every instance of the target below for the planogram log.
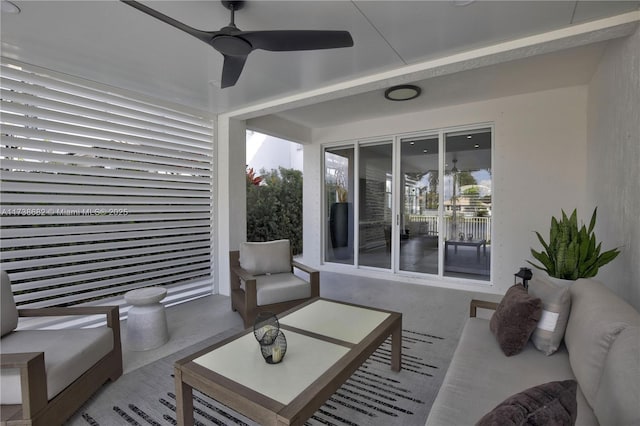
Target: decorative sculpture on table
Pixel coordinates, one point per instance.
(273, 344)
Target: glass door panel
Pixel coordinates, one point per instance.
(467, 204)
(375, 205)
(338, 183)
(419, 199)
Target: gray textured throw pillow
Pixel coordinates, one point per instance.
(515, 319)
(556, 305)
(549, 404)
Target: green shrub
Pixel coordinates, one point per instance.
(274, 207)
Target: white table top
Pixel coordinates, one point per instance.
(306, 359)
(339, 321)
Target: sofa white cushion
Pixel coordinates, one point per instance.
(481, 377)
(68, 354)
(278, 288)
(556, 305)
(271, 257)
(8, 311)
(597, 317)
(618, 395)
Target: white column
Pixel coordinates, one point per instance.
(231, 227)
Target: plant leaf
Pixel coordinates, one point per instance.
(592, 223)
(607, 257)
(544, 259)
(542, 241)
(539, 267)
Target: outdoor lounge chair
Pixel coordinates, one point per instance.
(48, 374)
(262, 279)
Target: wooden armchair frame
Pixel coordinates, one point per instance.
(245, 301)
(482, 304)
(35, 409)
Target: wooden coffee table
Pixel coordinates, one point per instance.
(326, 342)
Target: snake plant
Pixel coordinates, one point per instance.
(571, 252)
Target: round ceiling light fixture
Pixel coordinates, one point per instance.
(404, 92)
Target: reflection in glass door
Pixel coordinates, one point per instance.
(338, 166)
(419, 186)
(467, 204)
(375, 205)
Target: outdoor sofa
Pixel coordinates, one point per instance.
(600, 350)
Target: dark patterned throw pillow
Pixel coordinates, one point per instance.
(548, 404)
(515, 319)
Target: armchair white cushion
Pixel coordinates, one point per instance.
(276, 288)
(272, 257)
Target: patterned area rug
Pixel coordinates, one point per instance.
(373, 395)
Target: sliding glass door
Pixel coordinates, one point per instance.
(420, 198)
(467, 204)
(419, 204)
(375, 205)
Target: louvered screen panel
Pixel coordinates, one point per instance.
(101, 192)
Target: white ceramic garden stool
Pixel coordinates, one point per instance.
(146, 322)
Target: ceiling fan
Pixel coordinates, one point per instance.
(235, 45)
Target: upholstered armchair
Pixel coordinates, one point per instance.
(48, 374)
(263, 279)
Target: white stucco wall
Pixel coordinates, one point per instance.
(613, 162)
(539, 167)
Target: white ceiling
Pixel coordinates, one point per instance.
(543, 72)
(112, 43)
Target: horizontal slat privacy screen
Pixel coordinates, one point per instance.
(101, 193)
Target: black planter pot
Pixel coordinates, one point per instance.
(340, 229)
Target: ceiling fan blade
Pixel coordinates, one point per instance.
(205, 36)
(235, 45)
(288, 40)
(231, 70)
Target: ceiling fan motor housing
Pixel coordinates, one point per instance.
(231, 45)
(233, 4)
